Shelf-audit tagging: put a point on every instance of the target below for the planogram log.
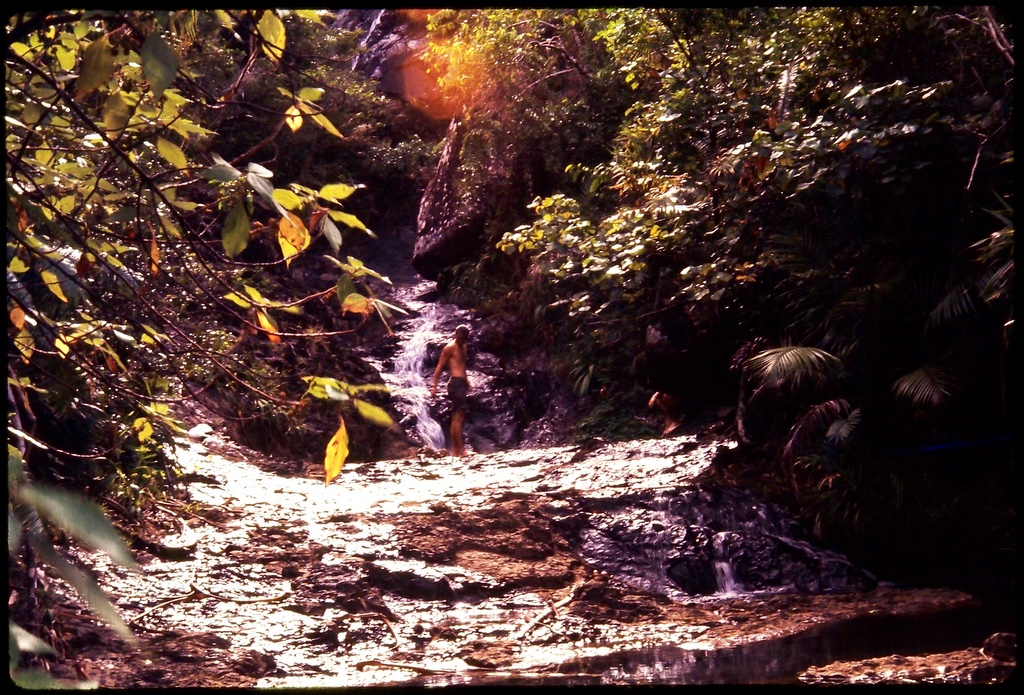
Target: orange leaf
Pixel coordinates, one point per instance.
(357, 304)
(18, 317)
(154, 256)
(268, 325)
(83, 265)
(316, 216)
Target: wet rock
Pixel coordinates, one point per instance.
(694, 575)
(1002, 646)
(706, 541)
(761, 562)
(449, 227)
(404, 580)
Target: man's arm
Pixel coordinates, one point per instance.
(446, 353)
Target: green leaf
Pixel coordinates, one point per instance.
(171, 153)
(25, 641)
(116, 112)
(373, 413)
(222, 171)
(13, 532)
(266, 191)
(97, 67)
(79, 518)
(159, 64)
(35, 679)
(271, 30)
(332, 234)
(334, 393)
(345, 287)
(235, 235)
(311, 93)
(85, 585)
(259, 170)
(326, 124)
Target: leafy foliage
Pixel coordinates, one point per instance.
(815, 178)
(150, 243)
(35, 512)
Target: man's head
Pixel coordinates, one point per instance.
(461, 334)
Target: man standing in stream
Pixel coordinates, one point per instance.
(453, 357)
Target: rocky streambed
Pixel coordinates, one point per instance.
(560, 566)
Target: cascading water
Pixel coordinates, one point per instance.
(724, 575)
(409, 372)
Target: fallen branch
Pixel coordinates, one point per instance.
(372, 614)
(196, 593)
(552, 609)
(411, 667)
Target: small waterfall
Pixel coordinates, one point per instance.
(724, 575)
(409, 372)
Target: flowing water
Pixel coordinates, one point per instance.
(409, 373)
(411, 382)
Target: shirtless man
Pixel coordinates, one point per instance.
(453, 356)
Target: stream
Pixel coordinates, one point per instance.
(603, 563)
(512, 568)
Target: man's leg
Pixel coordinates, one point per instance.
(458, 446)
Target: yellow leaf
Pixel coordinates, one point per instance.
(154, 256)
(324, 123)
(337, 452)
(373, 413)
(287, 249)
(292, 235)
(62, 347)
(293, 117)
(143, 428)
(357, 304)
(97, 67)
(171, 153)
(26, 344)
(53, 284)
(272, 33)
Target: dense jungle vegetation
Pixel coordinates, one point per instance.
(814, 205)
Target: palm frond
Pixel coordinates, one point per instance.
(791, 367)
(842, 429)
(996, 282)
(744, 352)
(957, 304)
(926, 387)
(815, 425)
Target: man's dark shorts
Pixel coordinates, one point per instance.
(458, 393)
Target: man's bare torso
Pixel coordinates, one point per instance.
(453, 356)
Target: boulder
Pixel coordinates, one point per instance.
(450, 225)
